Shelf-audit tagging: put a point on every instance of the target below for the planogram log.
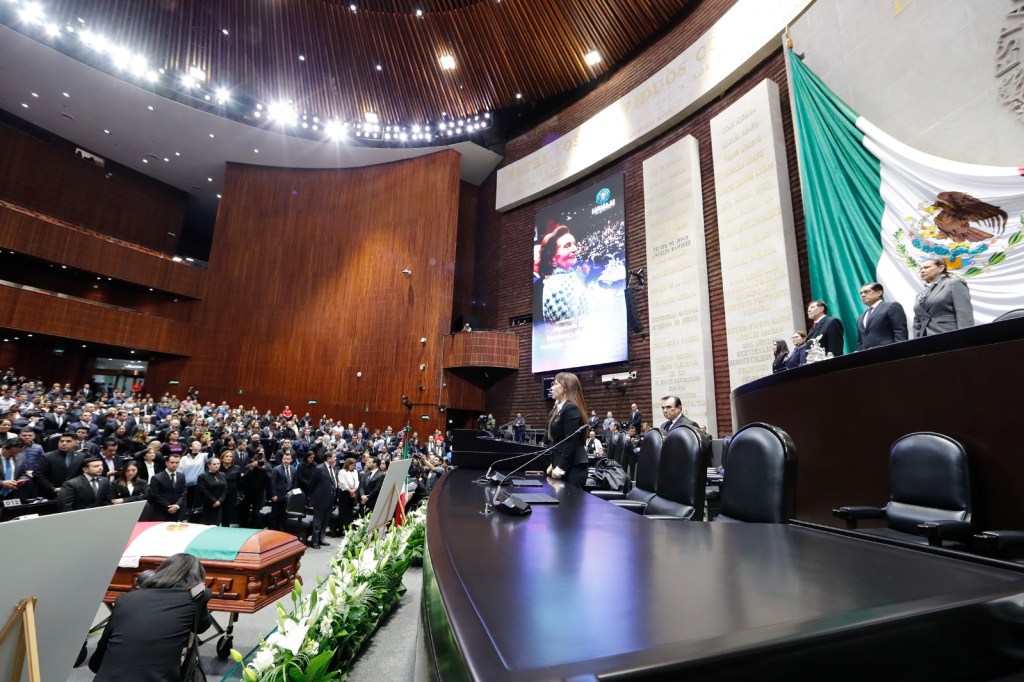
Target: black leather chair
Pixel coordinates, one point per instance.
(646, 471)
(930, 492)
(713, 492)
(682, 474)
(616, 449)
(295, 516)
(760, 479)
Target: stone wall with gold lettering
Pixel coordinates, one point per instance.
(760, 279)
(677, 269)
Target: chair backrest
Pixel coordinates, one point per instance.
(296, 503)
(682, 474)
(929, 480)
(1010, 315)
(617, 447)
(647, 467)
(760, 478)
(719, 451)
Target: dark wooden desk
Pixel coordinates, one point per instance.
(585, 590)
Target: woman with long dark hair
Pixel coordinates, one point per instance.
(779, 353)
(211, 489)
(129, 487)
(149, 627)
(568, 454)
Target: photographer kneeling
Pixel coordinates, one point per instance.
(149, 627)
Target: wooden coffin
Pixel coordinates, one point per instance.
(265, 569)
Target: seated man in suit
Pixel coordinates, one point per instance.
(87, 490)
(166, 495)
(883, 323)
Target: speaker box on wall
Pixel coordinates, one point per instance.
(632, 314)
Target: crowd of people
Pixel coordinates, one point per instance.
(196, 461)
(943, 305)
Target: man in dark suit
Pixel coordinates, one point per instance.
(57, 466)
(112, 462)
(323, 489)
(672, 410)
(166, 494)
(636, 418)
(56, 421)
(883, 323)
(370, 483)
(86, 420)
(828, 330)
(282, 479)
(87, 490)
(13, 475)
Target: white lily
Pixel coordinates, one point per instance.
(290, 635)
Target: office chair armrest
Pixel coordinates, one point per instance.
(609, 494)
(632, 505)
(937, 531)
(665, 517)
(853, 514)
(997, 540)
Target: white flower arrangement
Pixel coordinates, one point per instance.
(317, 641)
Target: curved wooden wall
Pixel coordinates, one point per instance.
(305, 289)
(47, 176)
(481, 349)
(43, 237)
(42, 312)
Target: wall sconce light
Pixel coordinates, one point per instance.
(407, 272)
(423, 339)
(359, 375)
(422, 367)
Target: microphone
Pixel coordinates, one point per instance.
(512, 505)
(495, 478)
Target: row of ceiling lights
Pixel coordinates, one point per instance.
(31, 14)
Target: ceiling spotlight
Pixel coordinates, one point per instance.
(32, 13)
(519, 95)
(197, 73)
(52, 30)
(224, 31)
(380, 68)
(223, 95)
(188, 82)
(592, 58)
(280, 111)
(419, 12)
(353, 8)
(447, 62)
(372, 117)
(334, 130)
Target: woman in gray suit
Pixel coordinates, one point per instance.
(945, 304)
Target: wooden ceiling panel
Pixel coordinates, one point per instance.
(501, 48)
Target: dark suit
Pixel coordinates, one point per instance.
(570, 456)
(369, 485)
(886, 325)
(829, 332)
(77, 493)
(323, 490)
(796, 357)
(140, 647)
(279, 488)
(53, 472)
(52, 424)
(682, 420)
(636, 419)
(943, 307)
(18, 472)
(162, 494)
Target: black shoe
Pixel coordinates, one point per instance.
(325, 544)
(314, 546)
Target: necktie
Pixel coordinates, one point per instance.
(8, 474)
(288, 475)
(867, 317)
(96, 488)
(173, 481)
(67, 461)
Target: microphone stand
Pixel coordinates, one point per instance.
(489, 504)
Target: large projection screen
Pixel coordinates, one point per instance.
(579, 276)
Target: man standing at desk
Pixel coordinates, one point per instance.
(828, 330)
(883, 323)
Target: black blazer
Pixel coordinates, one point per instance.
(77, 494)
(51, 472)
(829, 332)
(796, 357)
(370, 486)
(162, 494)
(139, 492)
(887, 325)
(322, 488)
(571, 452)
(140, 647)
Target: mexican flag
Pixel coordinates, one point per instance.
(875, 208)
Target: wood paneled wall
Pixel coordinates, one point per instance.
(47, 313)
(114, 200)
(305, 289)
(39, 236)
(481, 349)
(503, 284)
